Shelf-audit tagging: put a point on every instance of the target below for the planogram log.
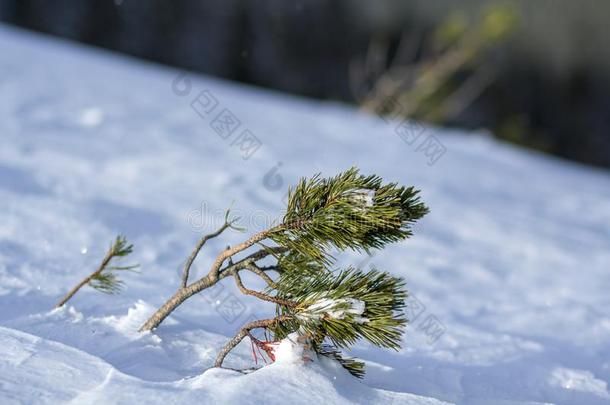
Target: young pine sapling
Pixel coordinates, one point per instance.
(326, 309)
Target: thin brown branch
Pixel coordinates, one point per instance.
(195, 252)
(220, 259)
(259, 294)
(207, 281)
(261, 273)
(243, 332)
(252, 258)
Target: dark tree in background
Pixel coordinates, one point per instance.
(552, 81)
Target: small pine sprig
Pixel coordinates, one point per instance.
(348, 211)
(104, 279)
(344, 307)
(120, 247)
(335, 309)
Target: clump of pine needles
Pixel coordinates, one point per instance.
(348, 211)
(337, 308)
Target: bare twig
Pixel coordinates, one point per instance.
(260, 295)
(245, 331)
(261, 273)
(220, 259)
(215, 274)
(202, 241)
(252, 258)
(217, 271)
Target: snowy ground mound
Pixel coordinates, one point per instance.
(509, 271)
(37, 370)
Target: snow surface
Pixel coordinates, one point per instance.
(509, 272)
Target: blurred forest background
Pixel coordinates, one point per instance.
(536, 73)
